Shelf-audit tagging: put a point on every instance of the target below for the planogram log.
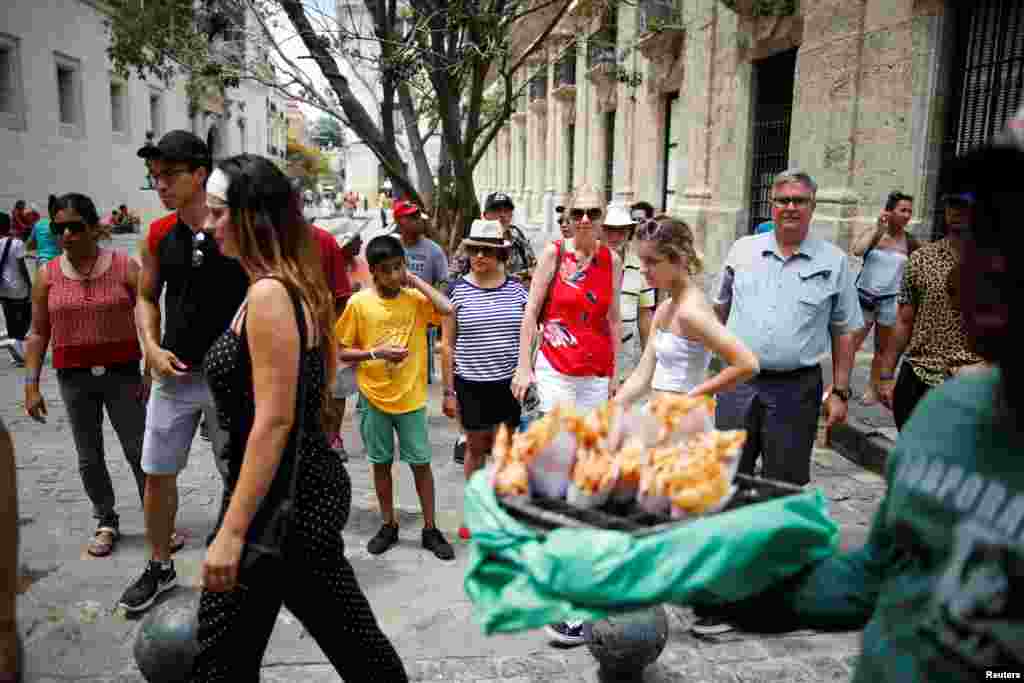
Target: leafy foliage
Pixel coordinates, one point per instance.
(327, 132)
(763, 8)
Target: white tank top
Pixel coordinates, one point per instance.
(681, 364)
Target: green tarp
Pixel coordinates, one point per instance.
(519, 578)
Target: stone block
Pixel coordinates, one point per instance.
(774, 671)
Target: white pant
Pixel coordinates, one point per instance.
(554, 388)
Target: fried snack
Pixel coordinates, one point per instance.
(702, 476)
(632, 459)
(511, 477)
(549, 450)
(527, 445)
(594, 471)
(671, 412)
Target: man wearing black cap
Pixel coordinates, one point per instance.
(203, 289)
(928, 324)
(521, 261)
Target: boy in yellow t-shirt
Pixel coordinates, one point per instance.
(384, 331)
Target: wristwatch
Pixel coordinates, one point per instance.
(842, 394)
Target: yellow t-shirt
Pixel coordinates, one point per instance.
(370, 320)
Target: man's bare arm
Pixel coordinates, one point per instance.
(147, 308)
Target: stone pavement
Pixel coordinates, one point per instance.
(73, 632)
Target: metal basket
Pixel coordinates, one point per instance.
(546, 514)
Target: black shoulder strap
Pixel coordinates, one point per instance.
(3, 259)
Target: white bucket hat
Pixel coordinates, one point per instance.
(484, 233)
(618, 217)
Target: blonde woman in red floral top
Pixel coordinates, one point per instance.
(84, 302)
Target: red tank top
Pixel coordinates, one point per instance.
(93, 322)
(577, 338)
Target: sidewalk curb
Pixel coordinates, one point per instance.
(861, 444)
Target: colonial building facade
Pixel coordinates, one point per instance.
(68, 123)
(694, 107)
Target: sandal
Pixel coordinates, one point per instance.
(177, 542)
(103, 541)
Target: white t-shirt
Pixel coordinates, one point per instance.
(12, 282)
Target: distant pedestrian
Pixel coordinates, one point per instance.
(565, 226)
(638, 297)
(23, 217)
(43, 240)
(384, 330)
(84, 302)
(929, 331)
(15, 290)
(885, 248)
(481, 345)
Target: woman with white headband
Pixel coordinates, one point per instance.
(279, 541)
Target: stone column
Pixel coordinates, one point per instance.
(551, 139)
(538, 168)
(623, 173)
(586, 125)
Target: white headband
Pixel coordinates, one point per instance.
(217, 189)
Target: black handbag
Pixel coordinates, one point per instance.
(868, 301)
(268, 534)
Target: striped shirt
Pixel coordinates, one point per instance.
(487, 329)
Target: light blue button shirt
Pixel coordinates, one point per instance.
(786, 309)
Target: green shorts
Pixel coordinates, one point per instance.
(377, 429)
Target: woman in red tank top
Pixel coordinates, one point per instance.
(574, 299)
(84, 301)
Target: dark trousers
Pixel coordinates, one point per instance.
(907, 393)
(315, 582)
(85, 397)
(18, 314)
(780, 413)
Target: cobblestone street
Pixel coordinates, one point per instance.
(73, 632)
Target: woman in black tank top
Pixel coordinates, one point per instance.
(268, 374)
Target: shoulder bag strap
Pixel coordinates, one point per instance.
(551, 284)
(301, 391)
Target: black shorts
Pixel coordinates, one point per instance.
(485, 405)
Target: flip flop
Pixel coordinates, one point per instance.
(103, 541)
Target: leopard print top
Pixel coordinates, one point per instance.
(938, 343)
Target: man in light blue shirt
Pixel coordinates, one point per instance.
(791, 299)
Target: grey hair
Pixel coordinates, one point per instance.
(795, 175)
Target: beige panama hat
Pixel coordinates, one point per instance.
(484, 233)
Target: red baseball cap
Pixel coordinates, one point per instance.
(404, 208)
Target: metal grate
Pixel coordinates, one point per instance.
(987, 80)
(655, 14)
(571, 161)
(539, 85)
(773, 113)
(601, 43)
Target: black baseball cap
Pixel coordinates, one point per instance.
(498, 200)
(178, 145)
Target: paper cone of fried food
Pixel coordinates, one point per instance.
(631, 459)
(702, 483)
(548, 448)
(510, 476)
(593, 478)
(679, 416)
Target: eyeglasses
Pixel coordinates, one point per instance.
(592, 214)
(648, 230)
(486, 252)
(169, 175)
(197, 249)
(798, 202)
(638, 216)
(76, 227)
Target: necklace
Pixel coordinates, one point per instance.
(87, 277)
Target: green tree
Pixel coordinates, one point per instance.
(433, 57)
(327, 132)
(308, 164)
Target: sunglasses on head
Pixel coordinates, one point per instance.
(76, 227)
(592, 214)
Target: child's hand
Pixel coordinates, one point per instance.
(390, 352)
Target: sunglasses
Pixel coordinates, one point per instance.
(486, 252)
(798, 202)
(76, 228)
(592, 214)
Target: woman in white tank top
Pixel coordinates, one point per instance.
(686, 330)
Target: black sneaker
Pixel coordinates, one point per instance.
(566, 633)
(460, 451)
(385, 538)
(711, 626)
(154, 581)
(434, 541)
